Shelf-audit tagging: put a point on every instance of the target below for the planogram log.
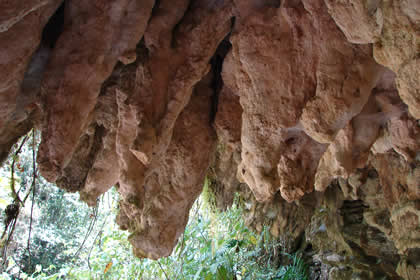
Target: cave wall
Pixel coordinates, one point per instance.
(308, 108)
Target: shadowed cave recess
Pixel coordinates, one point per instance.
(308, 109)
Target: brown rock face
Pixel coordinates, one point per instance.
(21, 65)
(393, 27)
(171, 186)
(282, 97)
(75, 72)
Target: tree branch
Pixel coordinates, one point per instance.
(164, 272)
(33, 187)
(88, 232)
(12, 171)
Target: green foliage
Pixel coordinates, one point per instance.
(71, 241)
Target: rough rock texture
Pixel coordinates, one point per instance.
(308, 108)
(21, 65)
(368, 225)
(161, 212)
(393, 28)
(84, 56)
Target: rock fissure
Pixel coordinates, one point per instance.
(217, 81)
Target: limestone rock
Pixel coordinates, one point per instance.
(308, 109)
(360, 21)
(21, 27)
(82, 59)
(161, 213)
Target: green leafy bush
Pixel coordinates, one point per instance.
(71, 241)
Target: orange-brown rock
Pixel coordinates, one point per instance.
(393, 27)
(314, 105)
(21, 26)
(95, 35)
(300, 82)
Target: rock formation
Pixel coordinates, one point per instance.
(308, 108)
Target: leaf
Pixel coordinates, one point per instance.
(197, 275)
(5, 183)
(213, 268)
(108, 267)
(3, 203)
(38, 268)
(222, 274)
(253, 240)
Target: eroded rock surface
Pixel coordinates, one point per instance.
(21, 26)
(308, 108)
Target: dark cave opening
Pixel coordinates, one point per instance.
(216, 68)
(54, 27)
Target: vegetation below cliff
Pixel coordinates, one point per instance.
(69, 240)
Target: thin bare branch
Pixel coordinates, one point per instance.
(12, 171)
(9, 237)
(88, 232)
(98, 235)
(164, 272)
(33, 187)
